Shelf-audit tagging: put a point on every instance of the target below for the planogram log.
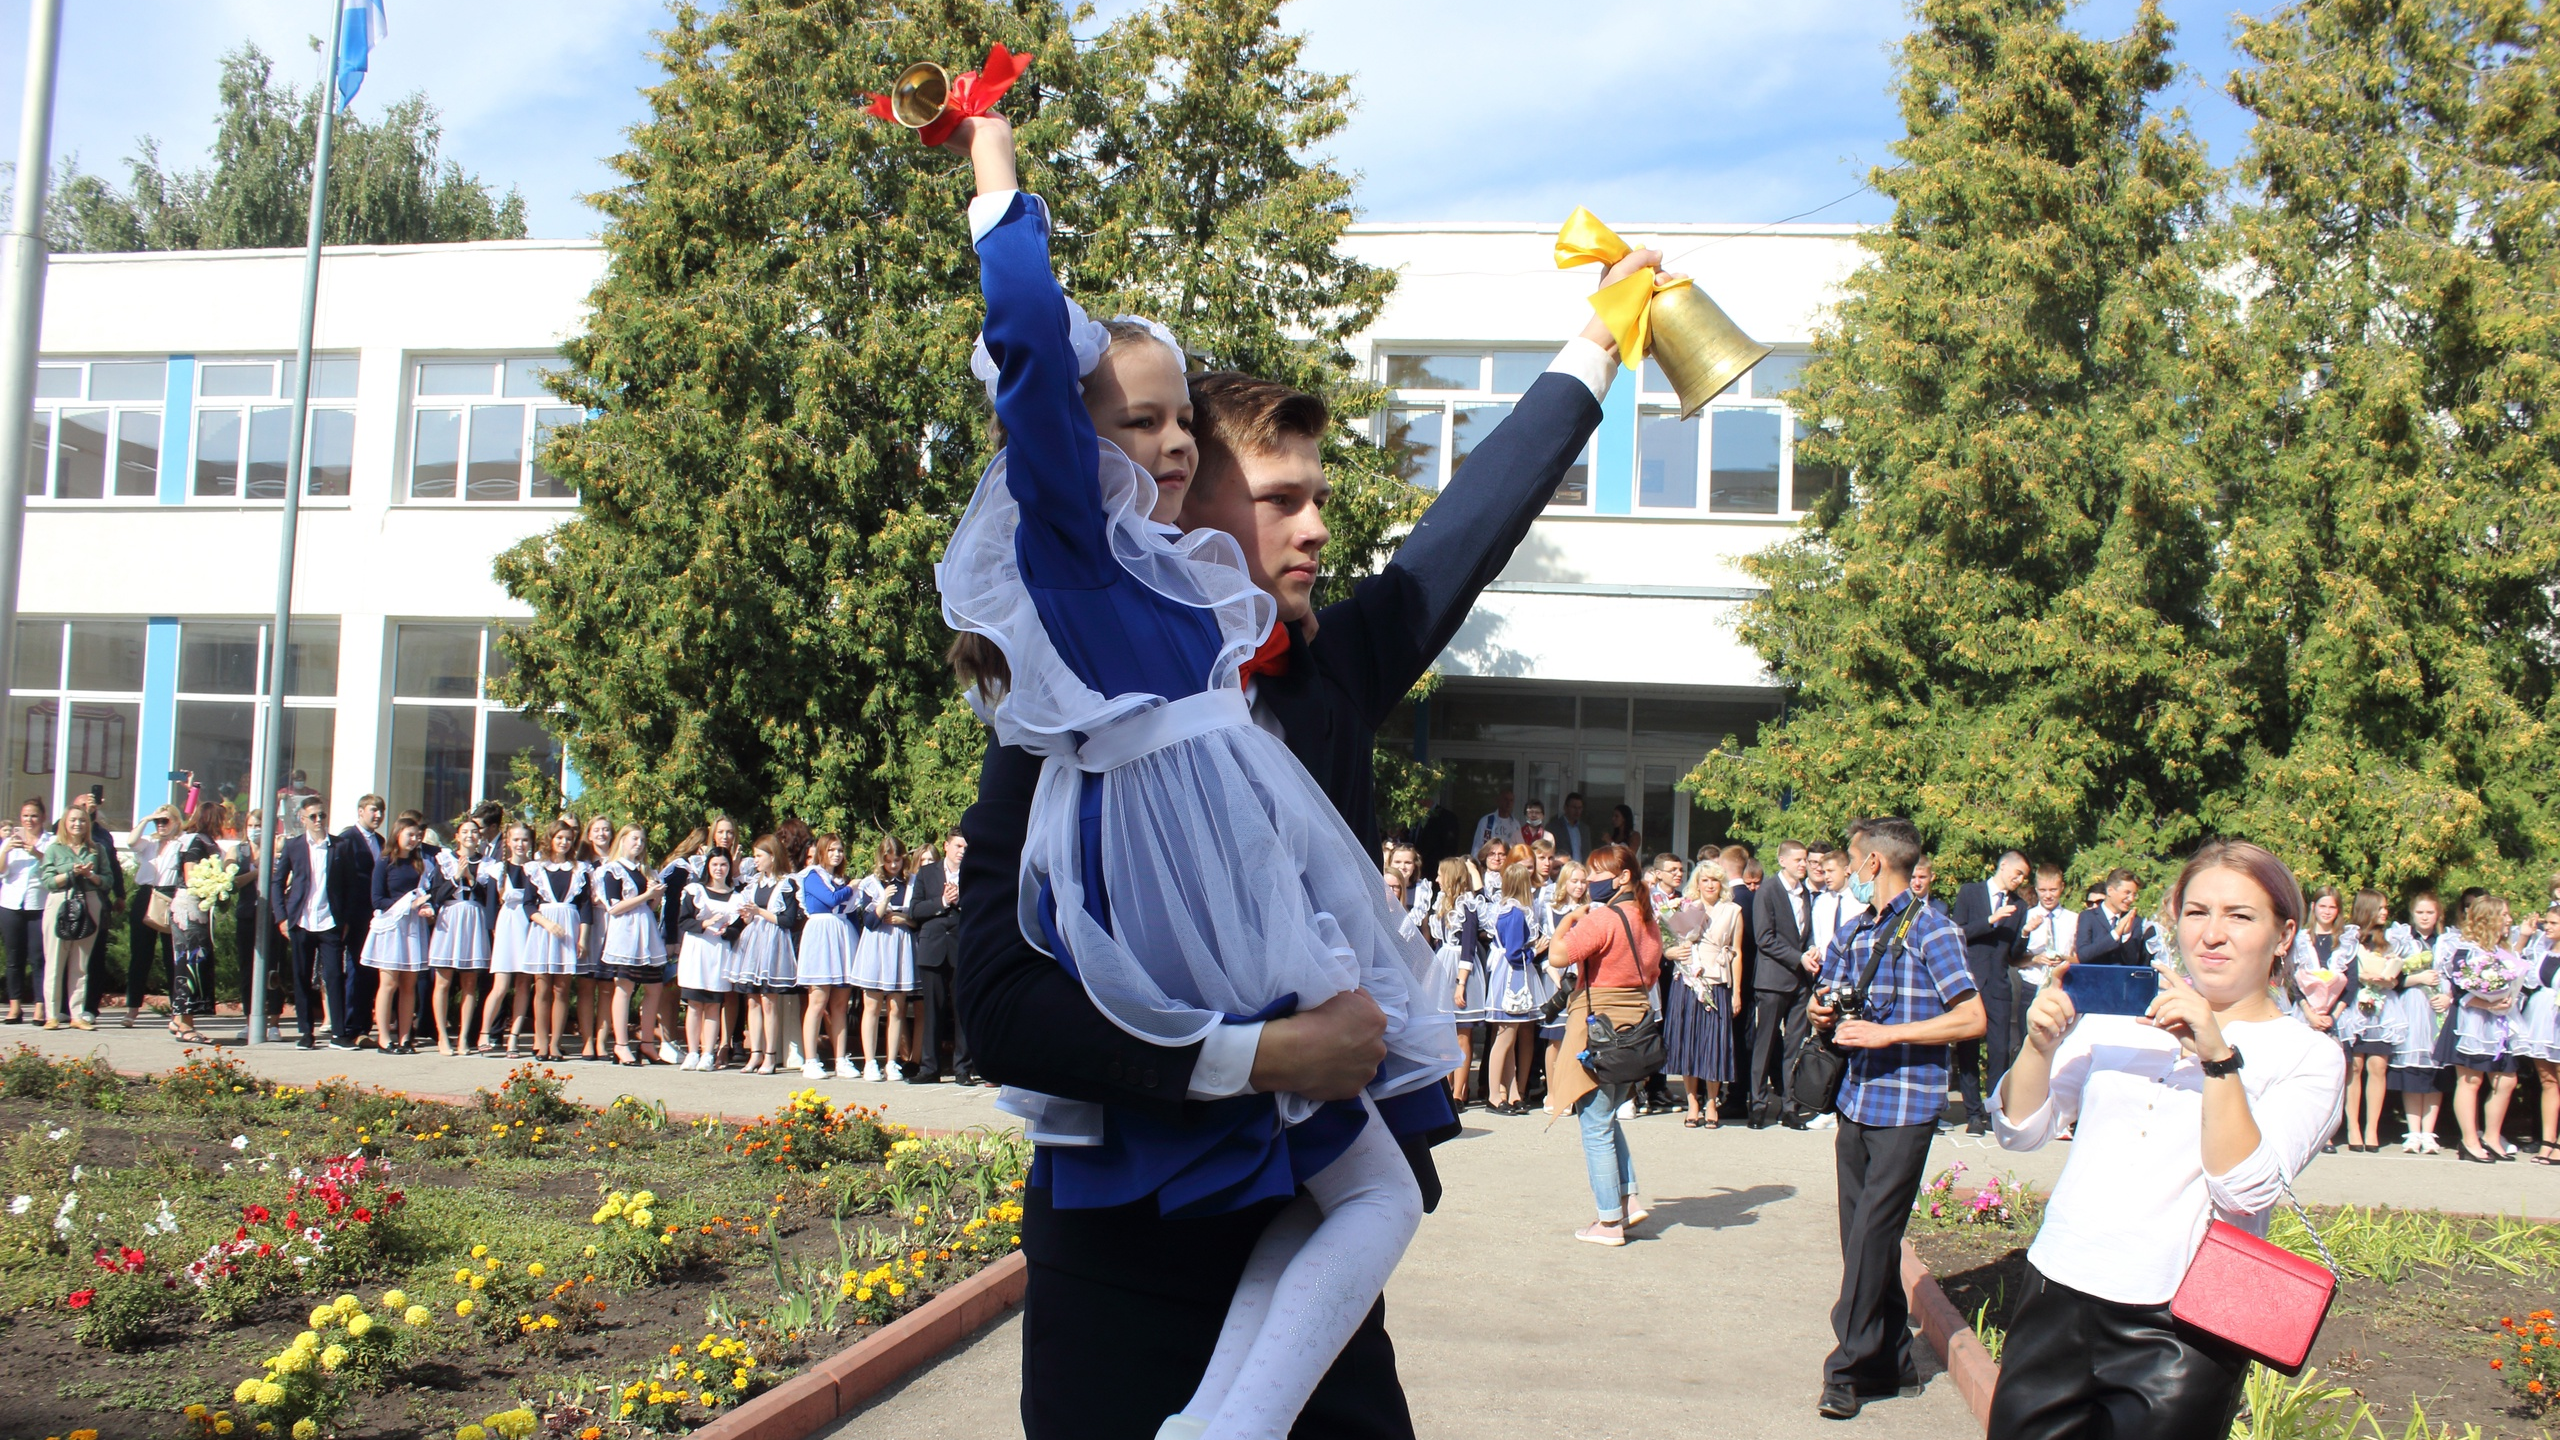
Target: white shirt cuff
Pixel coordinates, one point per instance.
(986, 210)
(1225, 1066)
(1579, 358)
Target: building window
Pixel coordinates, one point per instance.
(1446, 402)
(451, 746)
(75, 713)
(241, 443)
(1738, 444)
(221, 710)
(477, 426)
(95, 434)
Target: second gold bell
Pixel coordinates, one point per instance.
(921, 94)
(1698, 346)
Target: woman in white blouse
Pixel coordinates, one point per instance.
(2173, 1130)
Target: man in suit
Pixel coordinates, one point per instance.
(1991, 913)
(933, 907)
(1572, 836)
(353, 852)
(303, 895)
(1124, 1306)
(2110, 933)
(1781, 985)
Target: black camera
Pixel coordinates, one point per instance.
(1842, 999)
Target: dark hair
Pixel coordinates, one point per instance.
(2119, 875)
(889, 856)
(1893, 839)
(795, 838)
(399, 846)
(1235, 414)
(563, 825)
(208, 819)
(721, 854)
(1619, 860)
(309, 801)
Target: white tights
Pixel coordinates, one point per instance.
(1312, 1279)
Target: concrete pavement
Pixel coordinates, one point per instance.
(1718, 1317)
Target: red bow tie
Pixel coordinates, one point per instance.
(1271, 659)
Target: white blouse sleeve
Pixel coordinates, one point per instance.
(2061, 1098)
(2294, 1115)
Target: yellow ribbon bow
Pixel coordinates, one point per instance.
(1626, 307)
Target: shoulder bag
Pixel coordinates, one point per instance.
(1612, 1056)
(78, 917)
(1820, 1065)
(2258, 1296)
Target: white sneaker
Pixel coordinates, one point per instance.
(669, 1052)
(1824, 1121)
(871, 1072)
(2430, 1145)
(898, 1071)
(1627, 1110)
(846, 1071)
(812, 1070)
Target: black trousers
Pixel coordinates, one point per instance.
(1879, 1171)
(1995, 1050)
(937, 1022)
(320, 969)
(147, 952)
(22, 941)
(2078, 1366)
(1777, 1027)
(1123, 1310)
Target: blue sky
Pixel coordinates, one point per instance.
(1645, 110)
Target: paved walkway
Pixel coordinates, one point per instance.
(1721, 1310)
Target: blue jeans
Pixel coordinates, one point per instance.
(1604, 1151)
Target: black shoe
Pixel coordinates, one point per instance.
(339, 1042)
(306, 1043)
(1839, 1402)
(1797, 1122)
(1976, 1125)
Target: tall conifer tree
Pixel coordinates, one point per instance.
(1999, 630)
(743, 614)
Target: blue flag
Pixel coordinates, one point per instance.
(362, 27)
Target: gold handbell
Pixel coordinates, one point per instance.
(1698, 346)
(921, 94)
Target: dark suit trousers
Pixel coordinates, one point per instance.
(1995, 1049)
(319, 967)
(1777, 1027)
(1123, 1309)
(938, 1022)
(1879, 1176)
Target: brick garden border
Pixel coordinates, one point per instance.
(1969, 1365)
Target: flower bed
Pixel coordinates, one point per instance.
(2440, 1325)
(208, 1254)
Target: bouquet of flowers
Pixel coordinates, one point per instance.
(2321, 987)
(2373, 971)
(211, 881)
(2487, 980)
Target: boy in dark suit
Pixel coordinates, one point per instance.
(1990, 913)
(304, 895)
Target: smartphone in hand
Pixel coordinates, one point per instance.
(2111, 989)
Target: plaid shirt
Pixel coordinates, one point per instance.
(1900, 1084)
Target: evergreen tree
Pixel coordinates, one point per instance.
(388, 184)
(1999, 629)
(2384, 420)
(784, 429)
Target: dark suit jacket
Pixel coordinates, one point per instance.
(2098, 944)
(351, 881)
(289, 889)
(1779, 935)
(1029, 1021)
(937, 928)
(1992, 947)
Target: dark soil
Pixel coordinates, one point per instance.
(2427, 1338)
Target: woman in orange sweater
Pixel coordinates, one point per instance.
(1616, 949)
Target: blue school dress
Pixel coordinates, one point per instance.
(1179, 860)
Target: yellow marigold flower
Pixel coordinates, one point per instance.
(534, 1269)
(416, 1315)
(461, 1277)
(645, 1199)
(360, 1326)
(270, 1393)
(627, 1407)
(197, 1412)
(479, 1282)
(346, 1304)
(491, 1262)
(244, 1392)
(304, 1429)
(307, 1341)
(862, 1295)
(333, 1357)
(395, 1299)
(897, 1288)
(221, 1424)
(323, 1317)
(294, 1362)
(462, 1307)
(591, 1252)
(478, 1252)
(470, 1432)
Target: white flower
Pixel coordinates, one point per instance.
(57, 1134)
(75, 1174)
(239, 1142)
(22, 1204)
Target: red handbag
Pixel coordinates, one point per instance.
(2257, 1296)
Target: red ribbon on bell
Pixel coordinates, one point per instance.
(928, 101)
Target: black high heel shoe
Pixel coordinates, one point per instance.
(2463, 1152)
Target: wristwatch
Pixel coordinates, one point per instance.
(2228, 1065)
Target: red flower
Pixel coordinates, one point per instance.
(336, 1204)
(79, 1299)
(264, 1249)
(293, 1219)
(134, 1259)
(258, 1214)
(363, 1216)
(239, 1234)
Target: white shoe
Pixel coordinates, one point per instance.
(2430, 1145)
(670, 1053)
(1627, 1110)
(871, 1072)
(1824, 1121)
(898, 1071)
(2408, 1144)
(812, 1070)
(846, 1071)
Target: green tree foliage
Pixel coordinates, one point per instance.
(388, 184)
(2385, 418)
(2001, 630)
(784, 431)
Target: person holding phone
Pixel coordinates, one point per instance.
(2202, 1108)
(22, 906)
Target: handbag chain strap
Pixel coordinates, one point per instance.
(2305, 1217)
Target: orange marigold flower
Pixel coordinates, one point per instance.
(2497, 1364)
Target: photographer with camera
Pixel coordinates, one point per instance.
(1893, 993)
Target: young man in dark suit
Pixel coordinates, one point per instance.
(303, 895)
(1992, 915)
(1124, 1305)
(1781, 985)
(2110, 933)
(353, 852)
(933, 907)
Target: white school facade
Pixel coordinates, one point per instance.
(1602, 661)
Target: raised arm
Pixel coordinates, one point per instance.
(1052, 457)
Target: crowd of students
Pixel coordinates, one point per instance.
(2438, 1000)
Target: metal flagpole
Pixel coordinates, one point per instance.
(22, 308)
(278, 646)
